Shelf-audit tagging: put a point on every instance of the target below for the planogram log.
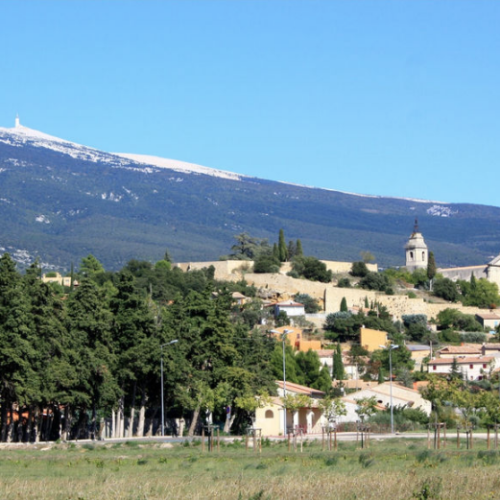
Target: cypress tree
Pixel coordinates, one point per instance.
(343, 305)
(283, 250)
(338, 365)
(298, 249)
(276, 253)
(431, 269)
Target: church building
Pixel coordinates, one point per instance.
(417, 254)
(417, 257)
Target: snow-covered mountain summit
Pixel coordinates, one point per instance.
(20, 135)
(180, 166)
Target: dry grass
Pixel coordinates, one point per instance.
(148, 472)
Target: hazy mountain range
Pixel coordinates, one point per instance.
(60, 201)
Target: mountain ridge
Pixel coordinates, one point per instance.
(60, 201)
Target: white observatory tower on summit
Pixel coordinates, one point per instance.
(417, 255)
(18, 123)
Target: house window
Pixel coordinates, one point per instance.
(433, 367)
(471, 367)
(269, 414)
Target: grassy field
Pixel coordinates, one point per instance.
(395, 469)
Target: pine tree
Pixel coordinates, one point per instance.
(292, 250)
(55, 362)
(89, 323)
(132, 330)
(18, 381)
(323, 382)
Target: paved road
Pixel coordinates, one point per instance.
(341, 436)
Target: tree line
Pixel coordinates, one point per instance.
(72, 358)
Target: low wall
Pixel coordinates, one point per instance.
(285, 286)
(397, 305)
(225, 269)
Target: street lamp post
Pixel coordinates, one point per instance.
(283, 338)
(161, 369)
(390, 348)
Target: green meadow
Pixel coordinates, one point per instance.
(395, 469)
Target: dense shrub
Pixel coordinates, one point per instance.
(445, 289)
(312, 269)
(473, 337)
(266, 263)
(344, 283)
(359, 269)
(374, 281)
(449, 336)
(311, 305)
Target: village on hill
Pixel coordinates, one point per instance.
(265, 340)
(470, 356)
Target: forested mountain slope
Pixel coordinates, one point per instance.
(61, 201)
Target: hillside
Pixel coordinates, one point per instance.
(61, 201)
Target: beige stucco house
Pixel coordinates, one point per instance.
(308, 419)
(401, 396)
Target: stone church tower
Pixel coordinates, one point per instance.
(417, 255)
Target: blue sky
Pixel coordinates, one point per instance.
(394, 98)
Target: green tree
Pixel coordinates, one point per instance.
(282, 248)
(90, 267)
(248, 247)
(338, 365)
(167, 257)
(455, 371)
(293, 371)
(343, 305)
(312, 269)
(89, 322)
(366, 407)
(446, 289)
(359, 269)
(431, 269)
(309, 366)
(367, 257)
(323, 382)
(266, 263)
(56, 361)
(132, 329)
(311, 305)
(374, 281)
(18, 381)
(332, 408)
(344, 283)
(299, 252)
(479, 293)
